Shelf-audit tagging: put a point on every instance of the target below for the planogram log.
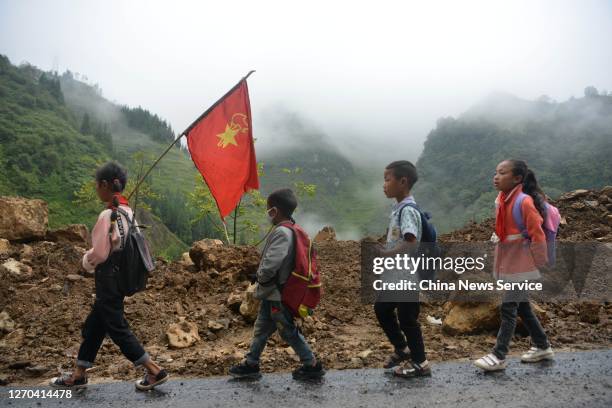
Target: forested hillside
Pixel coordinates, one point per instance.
(568, 145)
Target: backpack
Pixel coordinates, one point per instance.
(301, 293)
(552, 219)
(133, 263)
(428, 246)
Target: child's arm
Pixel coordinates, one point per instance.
(533, 222)
(274, 255)
(100, 243)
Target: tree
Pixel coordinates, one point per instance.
(86, 125)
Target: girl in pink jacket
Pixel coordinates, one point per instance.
(519, 256)
(107, 314)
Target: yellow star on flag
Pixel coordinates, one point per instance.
(227, 137)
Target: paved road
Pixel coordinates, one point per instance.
(581, 379)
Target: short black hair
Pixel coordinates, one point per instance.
(110, 172)
(404, 168)
(284, 200)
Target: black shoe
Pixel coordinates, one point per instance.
(151, 381)
(414, 370)
(66, 382)
(396, 359)
(309, 372)
(244, 370)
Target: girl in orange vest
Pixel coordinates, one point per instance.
(519, 256)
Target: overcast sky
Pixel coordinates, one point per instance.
(376, 70)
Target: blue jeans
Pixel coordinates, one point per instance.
(273, 315)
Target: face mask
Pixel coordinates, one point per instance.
(271, 217)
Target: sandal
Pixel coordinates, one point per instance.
(151, 381)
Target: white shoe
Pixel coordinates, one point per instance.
(490, 362)
(537, 354)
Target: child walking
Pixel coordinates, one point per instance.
(517, 258)
(107, 314)
(399, 320)
(277, 263)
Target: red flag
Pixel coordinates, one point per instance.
(221, 146)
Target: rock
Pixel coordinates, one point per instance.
(4, 380)
(13, 340)
(250, 306)
(182, 334)
(326, 234)
(74, 278)
(23, 219)
(200, 248)
(607, 191)
(591, 203)
(234, 264)
(73, 233)
(186, 260)
(356, 362)
(18, 365)
(364, 354)
(433, 321)
(7, 325)
(26, 253)
(215, 326)
(588, 312)
(578, 205)
(36, 371)
(5, 247)
(16, 269)
(573, 194)
(470, 318)
(233, 302)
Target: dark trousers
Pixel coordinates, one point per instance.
(107, 318)
(517, 303)
(399, 320)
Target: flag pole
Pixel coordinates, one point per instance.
(185, 132)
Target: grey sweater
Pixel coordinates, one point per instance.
(277, 259)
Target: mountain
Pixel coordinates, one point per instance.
(567, 144)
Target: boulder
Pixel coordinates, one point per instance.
(186, 259)
(573, 194)
(607, 191)
(7, 325)
(5, 247)
(13, 340)
(26, 252)
(326, 234)
(471, 318)
(182, 334)
(200, 248)
(74, 233)
(250, 306)
(234, 300)
(23, 219)
(16, 269)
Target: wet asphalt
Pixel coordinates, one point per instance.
(582, 379)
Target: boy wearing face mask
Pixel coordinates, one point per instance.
(277, 263)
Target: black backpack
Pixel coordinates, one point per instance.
(428, 246)
(133, 263)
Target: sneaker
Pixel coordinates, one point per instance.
(244, 370)
(396, 359)
(151, 381)
(68, 383)
(537, 354)
(490, 362)
(414, 370)
(309, 372)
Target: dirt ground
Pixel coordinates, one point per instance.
(49, 307)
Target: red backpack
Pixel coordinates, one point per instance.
(301, 292)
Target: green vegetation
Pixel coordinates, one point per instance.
(568, 145)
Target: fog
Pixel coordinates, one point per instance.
(373, 77)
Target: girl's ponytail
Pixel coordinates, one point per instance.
(117, 188)
(530, 185)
